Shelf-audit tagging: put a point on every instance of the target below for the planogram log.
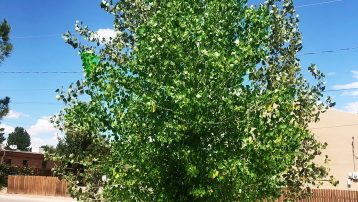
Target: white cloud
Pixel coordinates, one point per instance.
(351, 93)
(331, 74)
(42, 126)
(355, 74)
(15, 115)
(351, 107)
(43, 133)
(8, 129)
(106, 34)
(346, 86)
(37, 142)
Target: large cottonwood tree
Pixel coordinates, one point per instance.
(201, 101)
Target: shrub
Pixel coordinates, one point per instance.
(6, 170)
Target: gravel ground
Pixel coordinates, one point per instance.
(31, 198)
(4, 197)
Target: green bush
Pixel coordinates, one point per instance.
(6, 170)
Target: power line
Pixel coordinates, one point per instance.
(34, 102)
(343, 89)
(337, 126)
(60, 35)
(53, 89)
(329, 51)
(24, 89)
(317, 128)
(78, 72)
(36, 36)
(50, 89)
(11, 122)
(319, 3)
(41, 72)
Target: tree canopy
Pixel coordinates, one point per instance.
(200, 101)
(5, 45)
(48, 148)
(78, 157)
(20, 138)
(5, 49)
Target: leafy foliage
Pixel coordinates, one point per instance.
(5, 45)
(200, 100)
(48, 148)
(2, 138)
(4, 109)
(19, 137)
(5, 50)
(78, 158)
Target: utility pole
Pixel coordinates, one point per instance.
(354, 156)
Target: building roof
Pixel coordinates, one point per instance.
(21, 153)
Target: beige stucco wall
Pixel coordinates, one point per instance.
(337, 129)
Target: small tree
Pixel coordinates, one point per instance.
(201, 100)
(20, 138)
(79, 158)
(48, 148)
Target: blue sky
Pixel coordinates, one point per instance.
(37, 26)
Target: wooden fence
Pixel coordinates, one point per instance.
(36, 185)
(52, 186)
(329, 195)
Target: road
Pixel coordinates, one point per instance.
(30, 198)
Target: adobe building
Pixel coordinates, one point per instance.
(337, 129)
(27, 159)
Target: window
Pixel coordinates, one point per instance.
(44, 164)
(8, 162)
(25, 163)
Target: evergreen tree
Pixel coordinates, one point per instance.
(20, 138)
(5, 45)
(5, 49)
